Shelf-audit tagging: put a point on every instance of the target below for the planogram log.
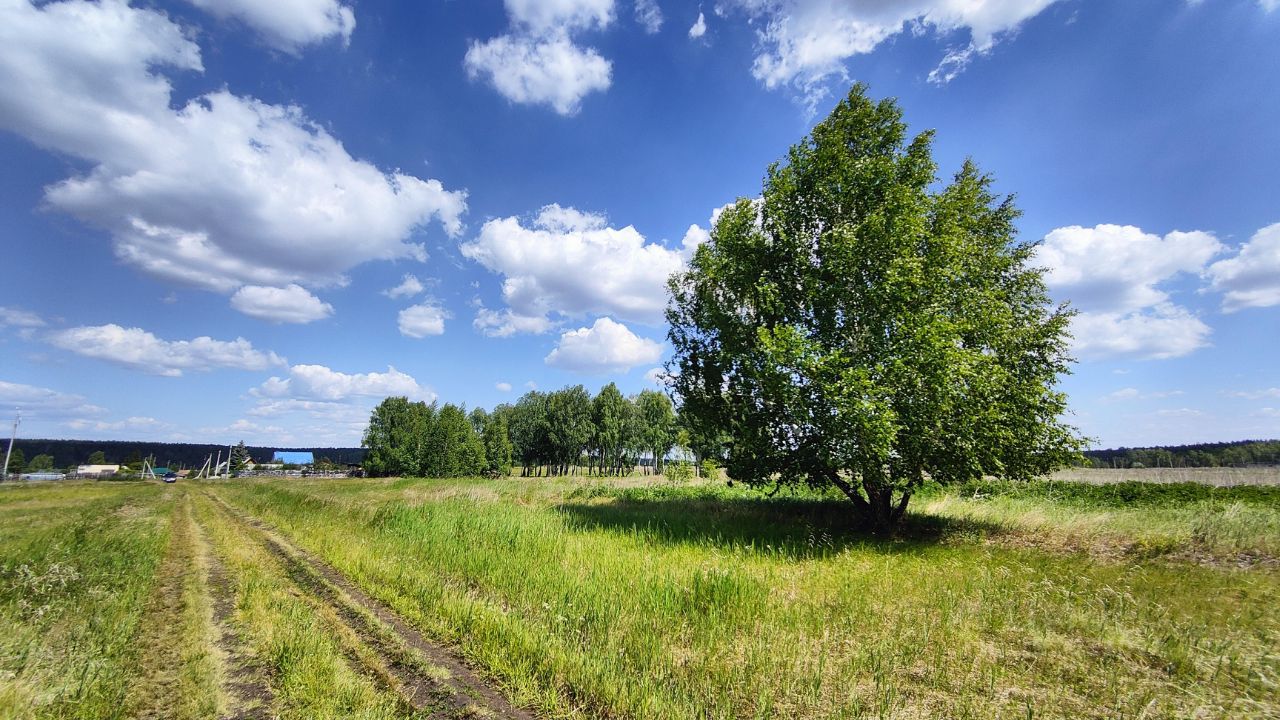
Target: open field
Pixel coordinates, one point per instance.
(582, 598)
(1220, 476)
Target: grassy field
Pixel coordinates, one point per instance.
(580, 598)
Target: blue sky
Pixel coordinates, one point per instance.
(226, 219)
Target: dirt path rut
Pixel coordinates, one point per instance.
(429, 677)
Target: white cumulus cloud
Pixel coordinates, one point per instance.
(573, 263)
(1256, 394)
(19, 318)
(658, 376)
(805, 43)
(538, 62)
(649, 15)
(606, 346)
(1130, 393)
(408, 287)
(43, 402)
(217, 191)
(1113, 274)
(288, 25)
(317, 382)
(699, 27)
(502, 386)
(292, 304)
(419, 321)
(540, 70)
(137, 423)
(505, 323)
(547, 15)
(1251, 278)
(1165, 331)
(138, 349)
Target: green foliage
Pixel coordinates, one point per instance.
(392, 437)
(1233, 454)
(75, 575)
(679, 472)
(17, 462)
(407, 438)
(614, 427)
(530, 431)
(451, 447)
(97, 457)
(710, 469)
(239, 460)
(856, 329)
(40, 463)
(657, 425)
(569, 426)
(497, 445)
(726, 603)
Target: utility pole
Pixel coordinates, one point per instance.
(17, 418)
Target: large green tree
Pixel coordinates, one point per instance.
(856, 327)
(393, 437)
(569, 426)
(530, 431)
(657, 425)
(452, 448)
(497, 442)
(614, 418)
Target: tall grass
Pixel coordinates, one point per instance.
(691, 603)
(314, 662)
(76, 567)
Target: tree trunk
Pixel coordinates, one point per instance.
(876, 509)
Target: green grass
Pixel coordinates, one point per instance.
(302, 644)
(76, 567)
(634, 598)
(659, 602)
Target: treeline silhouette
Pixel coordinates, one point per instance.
(1241, 453)
(69, 453)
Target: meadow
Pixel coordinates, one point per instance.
(635, 598)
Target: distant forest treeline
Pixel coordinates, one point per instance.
(1229, 454)
(68, 453)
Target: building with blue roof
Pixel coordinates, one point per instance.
(294, 458)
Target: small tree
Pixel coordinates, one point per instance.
(97, 457)
(239, 459)
(854, 328)
(679, 472)
(17, 462)
(40, 463)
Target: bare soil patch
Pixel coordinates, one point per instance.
(246, 683)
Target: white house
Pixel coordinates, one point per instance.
(96, 470)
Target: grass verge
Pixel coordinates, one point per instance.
(656, 603)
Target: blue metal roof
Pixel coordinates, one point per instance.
(294, 458)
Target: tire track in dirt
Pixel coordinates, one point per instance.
(246, 683)
(156, 693)
(430, 677)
